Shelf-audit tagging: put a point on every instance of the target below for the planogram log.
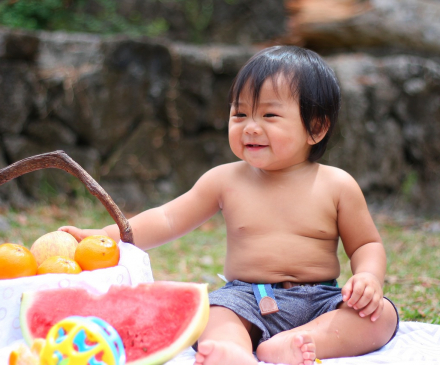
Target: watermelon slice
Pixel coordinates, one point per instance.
(156, 320)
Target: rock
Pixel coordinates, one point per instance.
(192, 157)
(17, 88)
(102, 101)
(50, 132)
(18, 45)
(127, 195)
(387, 127)
(143, 155)
(391, 24)
(61, 50)
(10, 192)
(204, 77)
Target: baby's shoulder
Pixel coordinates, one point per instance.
(227, 169)
(336, 176)
(224, 172)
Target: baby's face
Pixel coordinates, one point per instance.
(270, 136)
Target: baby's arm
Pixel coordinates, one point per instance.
(363, 245)
(157, 226)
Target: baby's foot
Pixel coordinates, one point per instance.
(293, 348)
(221, 353)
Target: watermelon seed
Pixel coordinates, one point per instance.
(144, 349)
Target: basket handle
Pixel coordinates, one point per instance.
(60, 160)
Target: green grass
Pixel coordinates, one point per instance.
(413, 249)
(29, 224)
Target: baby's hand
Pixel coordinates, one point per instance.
(80, 234)
(364, 292)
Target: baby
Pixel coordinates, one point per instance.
(284, 214)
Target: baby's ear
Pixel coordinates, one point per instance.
(319, 131)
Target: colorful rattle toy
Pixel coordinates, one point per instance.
(83, 341)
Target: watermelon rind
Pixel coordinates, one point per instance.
(186, 339)
(27, 299)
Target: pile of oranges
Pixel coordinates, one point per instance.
(93, 252)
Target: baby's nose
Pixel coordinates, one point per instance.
(252, 127)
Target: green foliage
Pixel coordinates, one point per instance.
(76, 16)
(33, 14)
(199, 14)
(408, 184)
(53, 15)
(109, 21)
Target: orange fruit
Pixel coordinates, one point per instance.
(97, 252)
(59, 265)
(16, 261)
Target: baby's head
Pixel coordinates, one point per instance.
(312, 83)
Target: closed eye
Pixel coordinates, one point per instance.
(270, 115)
(239, 115)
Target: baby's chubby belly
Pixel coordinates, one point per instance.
(297, 259)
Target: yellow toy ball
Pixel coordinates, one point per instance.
(83, 341)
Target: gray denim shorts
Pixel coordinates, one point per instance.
(297, 305)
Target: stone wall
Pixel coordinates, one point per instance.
(146, 118)
(389, 128)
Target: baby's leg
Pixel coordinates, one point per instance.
(225, 340)
(339, 333)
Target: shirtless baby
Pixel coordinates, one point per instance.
(284, 214)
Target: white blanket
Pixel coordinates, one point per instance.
(415, 344)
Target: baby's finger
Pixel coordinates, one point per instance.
(356, 294)
(372, 306)
(347, 289)
(376, 314)
(75, 232)
(365, 299)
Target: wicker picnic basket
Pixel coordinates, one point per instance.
(133, 267)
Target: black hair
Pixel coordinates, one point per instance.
(311, 80)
